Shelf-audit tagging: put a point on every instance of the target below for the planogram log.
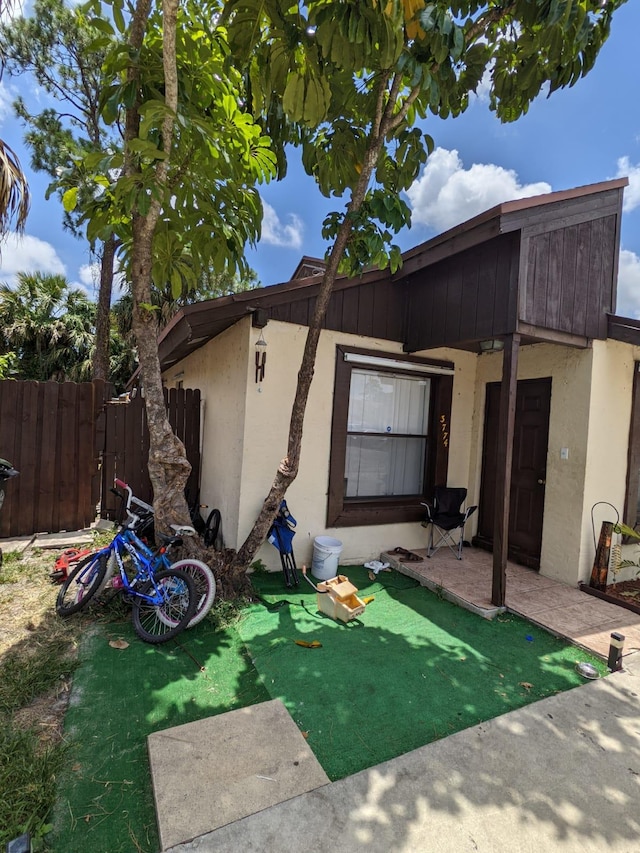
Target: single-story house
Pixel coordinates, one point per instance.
(493, 357)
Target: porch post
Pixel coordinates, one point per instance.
(504, 456)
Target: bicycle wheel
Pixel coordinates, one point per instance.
(81, 585)
(205, 584)
(157, 623)
(211, 528)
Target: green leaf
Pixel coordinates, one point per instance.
(102, 25)
(625, 530)
(70, 199)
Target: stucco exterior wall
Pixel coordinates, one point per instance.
(267, 424)
(589, 421)
(246, 427)
(609, 422)
(219, 370)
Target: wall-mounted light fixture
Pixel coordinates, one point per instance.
(495, 345)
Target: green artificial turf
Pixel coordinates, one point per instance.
(105, 801)
(413, 668)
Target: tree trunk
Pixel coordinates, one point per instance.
(100, 366)
(169, 467)
(288, 468)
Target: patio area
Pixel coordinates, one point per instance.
(564, 610)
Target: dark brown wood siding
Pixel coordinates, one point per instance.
(371, 308)
(568, 283)
(470, 296)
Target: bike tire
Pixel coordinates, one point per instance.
(81, 585)
(157, 623)
(211, 528)
(205, 584)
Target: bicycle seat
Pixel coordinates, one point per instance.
(169, 540)
(183, 529)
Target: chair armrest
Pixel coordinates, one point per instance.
(469, 511)
(429, 509)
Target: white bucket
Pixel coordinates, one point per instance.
(326, 552)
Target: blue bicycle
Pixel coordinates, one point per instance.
(129, 556)
(163, 602)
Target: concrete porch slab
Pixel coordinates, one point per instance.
(214, 771)
(64, 539)
(18, 544)
(420, 572)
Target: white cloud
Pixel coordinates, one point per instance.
(632, 192)
(7, 97)
(89, 275)
(27, 254)
(484, 87)
(447, 193)
(276, 233)
(89, 280)
(628, 304)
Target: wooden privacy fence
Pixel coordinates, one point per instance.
(126, 448)
(52, 433)
(69, 441)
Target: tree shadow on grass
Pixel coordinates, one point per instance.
(414, 670)
(411, 671)
(119, 697)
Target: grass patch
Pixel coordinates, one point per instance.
(28, 775)
(11, 571)
(37, 656)
(23, 677)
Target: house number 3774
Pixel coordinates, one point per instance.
(444, 430)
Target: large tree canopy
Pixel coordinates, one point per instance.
(354, 82)
(216, 96)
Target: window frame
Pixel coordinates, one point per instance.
(355, 512)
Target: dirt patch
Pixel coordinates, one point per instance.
(627, 592)
(29, 624)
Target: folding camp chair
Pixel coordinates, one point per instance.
(281, 535)
(445, 515)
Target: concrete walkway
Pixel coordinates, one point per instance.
(559, 776)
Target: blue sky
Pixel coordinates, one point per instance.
(579, 136)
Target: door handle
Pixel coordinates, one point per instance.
(542, 482)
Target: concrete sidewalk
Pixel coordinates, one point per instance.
(560, 775)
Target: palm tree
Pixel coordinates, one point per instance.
(49, 327)
(14, 190)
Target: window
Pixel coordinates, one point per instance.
(387, 433)
(389, 436)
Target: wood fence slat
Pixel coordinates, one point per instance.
(47, 496)
(85, 458)
(28, 438)
(9, 407)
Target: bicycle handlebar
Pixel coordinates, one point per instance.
(132, 517)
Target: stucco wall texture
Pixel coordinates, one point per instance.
(246, 425)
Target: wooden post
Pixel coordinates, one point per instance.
(506, 423)
(600, 568)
